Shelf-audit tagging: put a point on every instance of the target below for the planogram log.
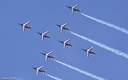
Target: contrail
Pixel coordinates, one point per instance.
(106, 23)
(81, 71)
(53, 77)
(102, 45)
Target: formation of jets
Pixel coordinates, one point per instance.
(65, 43)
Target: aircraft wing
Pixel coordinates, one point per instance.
(44, 34)
(40, 67)
(90, 49)
(61, 30)
(66, 42)
(74, 8)
(23, 28)
(24, 25)
(64, 24)
(37, 72)
(63, 27)
(48, 55)
(88, 54)
(27, 23)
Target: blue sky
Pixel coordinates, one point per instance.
(20, 51)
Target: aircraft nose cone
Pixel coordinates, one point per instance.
(33, 67)
(19, 23)
(57, 25)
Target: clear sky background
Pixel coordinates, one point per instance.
(20, 51)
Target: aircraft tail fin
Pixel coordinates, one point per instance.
(44, 71)
(30, 27)
(68, 29)
(53, 57)
(71, 45)
(79, 10)
(49, 37)
(94, 53)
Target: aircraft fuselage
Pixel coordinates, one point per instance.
(69, 44)
(46, 36)
(42, 71)
(66, 28)
(50, 56)
(92, 52)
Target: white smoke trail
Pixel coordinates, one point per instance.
(106, 23)
(53, 77)
(81, 71)
(102, 45)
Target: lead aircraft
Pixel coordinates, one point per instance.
(66, 43)
(89, 51)
(63, 27)
(74, 8)
(44, 35)
(25, 25)
(39, 70)
(48, 55)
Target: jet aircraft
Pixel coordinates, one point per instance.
(39, 70)
(66, 43)
(25, 25)
(89, 51)
(63, 27)
(74, 8)
(48, 55)
(44, 35)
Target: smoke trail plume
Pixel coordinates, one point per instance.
(102, 45)
(81, 71)
(53, 77)
(106, 23)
